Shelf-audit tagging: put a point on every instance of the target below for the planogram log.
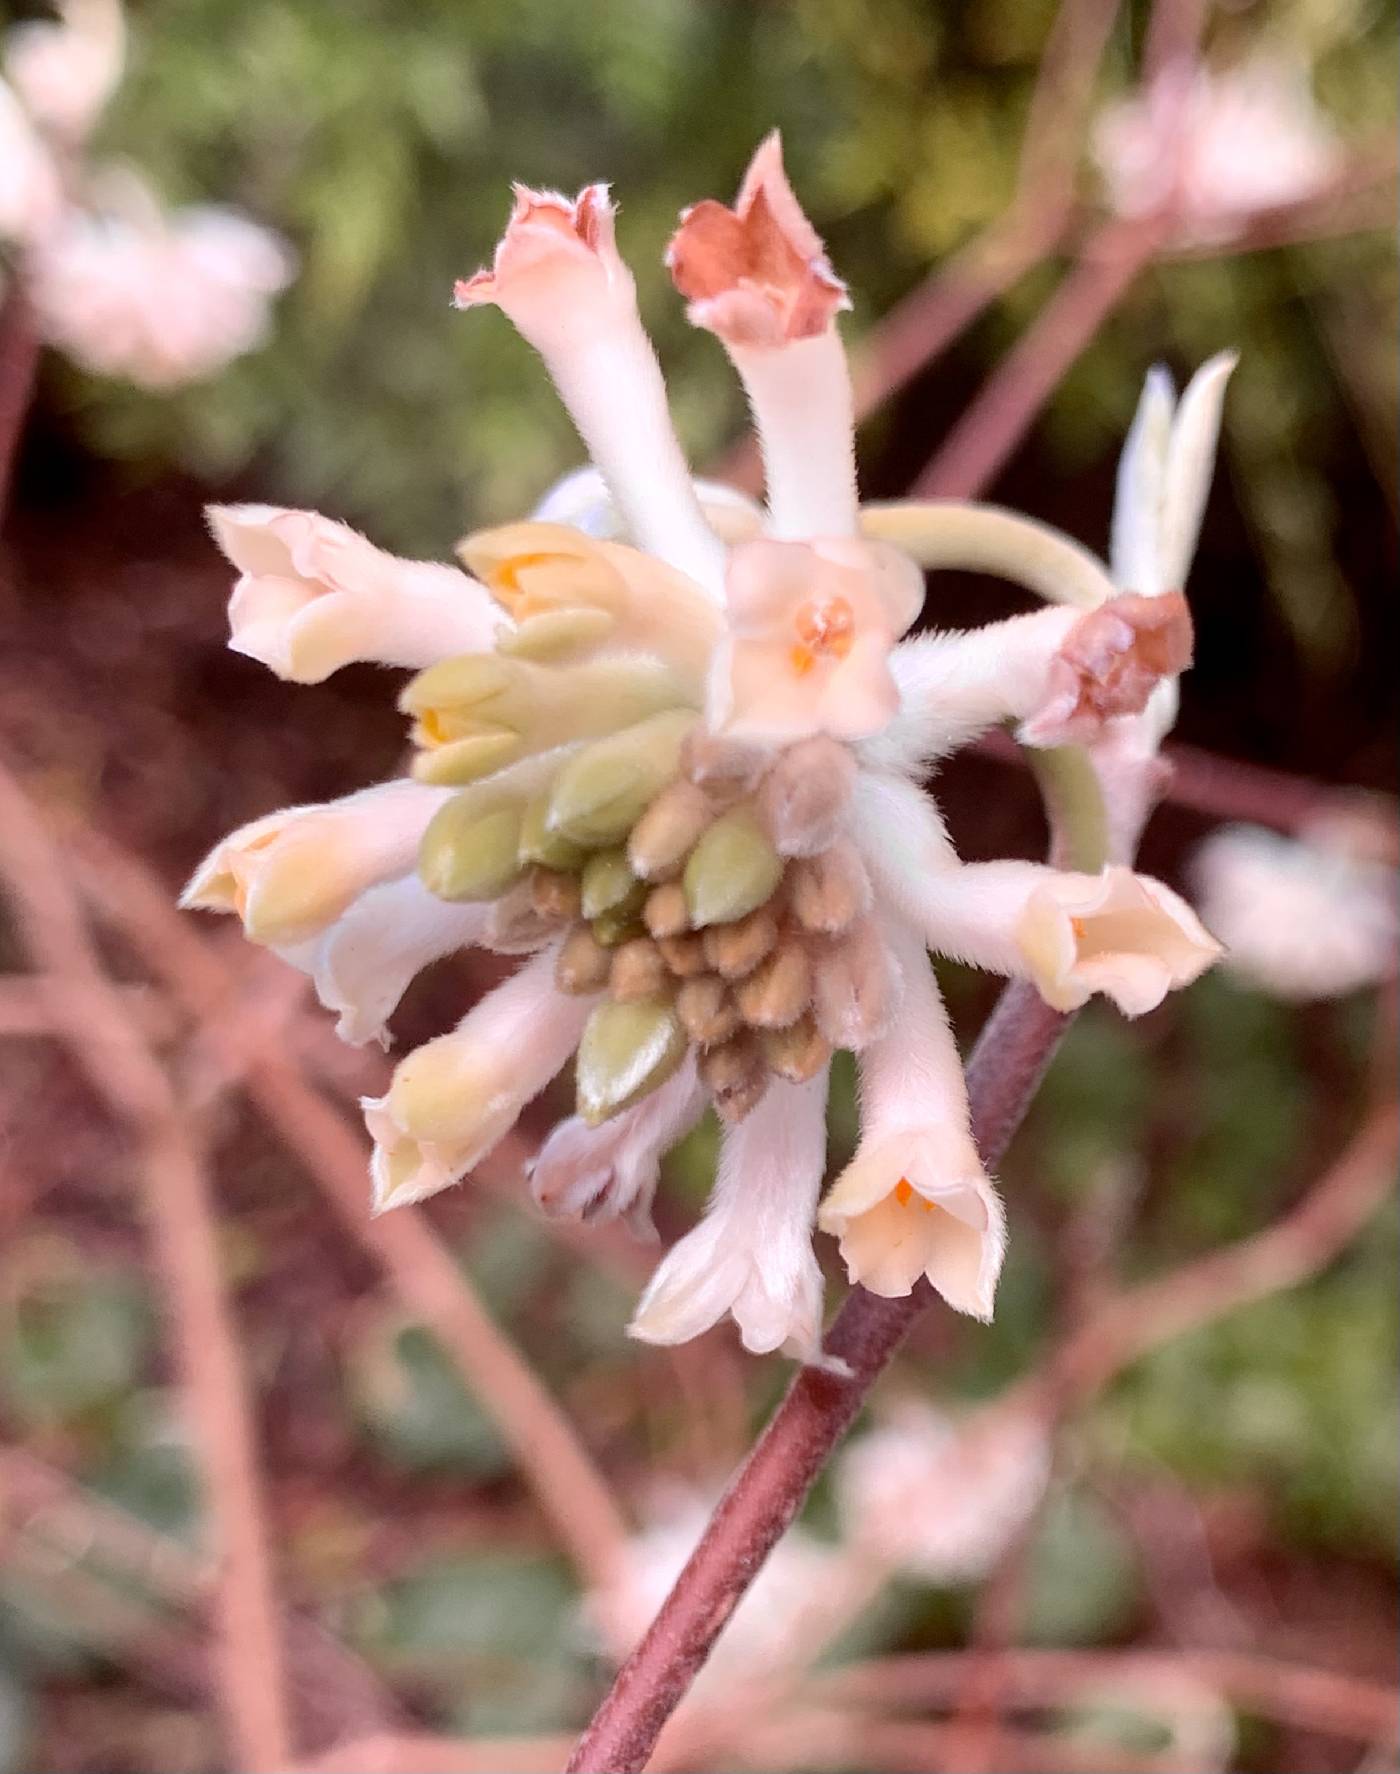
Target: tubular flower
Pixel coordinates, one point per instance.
(668, 747)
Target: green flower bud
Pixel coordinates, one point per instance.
(469, 852)
(610, 886)
(554, 634)
(626, 1051)
(539, 844)
(602, 791)
(461, 761)
(732, 870)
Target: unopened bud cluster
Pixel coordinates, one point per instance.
(698, 887)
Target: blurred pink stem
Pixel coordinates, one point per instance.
(19, 367)
(989, 432)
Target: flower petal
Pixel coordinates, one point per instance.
(751, 1255)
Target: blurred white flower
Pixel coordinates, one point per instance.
(793, 1587)
(31, 194)
(66, 69)
(1214, 148)
(159, 298)
(1309, 917)
(941, 1499)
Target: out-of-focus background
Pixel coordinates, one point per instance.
(1201, 1513)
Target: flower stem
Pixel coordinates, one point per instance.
(19, 364)
(766, 1494)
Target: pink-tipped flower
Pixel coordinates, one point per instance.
(756, 274)
(757, 277)
(313, 595)
(558, 277)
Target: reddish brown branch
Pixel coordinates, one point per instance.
(1006, 1066)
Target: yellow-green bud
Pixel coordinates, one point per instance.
(539, 844)
(616, 927)
(461, 761)
(732, 870)
(602, 791)
(554, 634)
(626, 1051)
(610, 886)
(468, 852)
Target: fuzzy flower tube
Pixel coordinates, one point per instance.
(670, 750)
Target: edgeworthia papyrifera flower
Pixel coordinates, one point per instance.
(669, 749)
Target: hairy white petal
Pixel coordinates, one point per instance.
(611, 1171)
(751, 1255)
(1190, 465)
(364, 963)
(1135, 547)
(915, 1200)
(954, 686)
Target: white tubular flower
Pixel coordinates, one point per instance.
(31, 191)
(939, 1499)
(157, 299)
(558, 278)
(915, 1199)
(453, 1100)
(364, 962)
(65, 70)
(1317, 916)
(1118, 933)
(679, 763)
(611, 1172)
(291, 874)
(1213, 149)
(757, 277)
(751, 1256)
(313, 596)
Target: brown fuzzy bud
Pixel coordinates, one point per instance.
(803, 797)
(778, 990)
(736, 949)
(706, 1010)
(856, 987)
(726, 769)
(734, 1075)
(638, 971)
(515, 925)
(797, 1052)
(684, 954)
(830, 891)
(583, 962)
(669, 829)
(554, 894)
(664, 913)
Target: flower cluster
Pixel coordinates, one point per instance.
(1211, 149)
(669, 748)
(124, 287)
